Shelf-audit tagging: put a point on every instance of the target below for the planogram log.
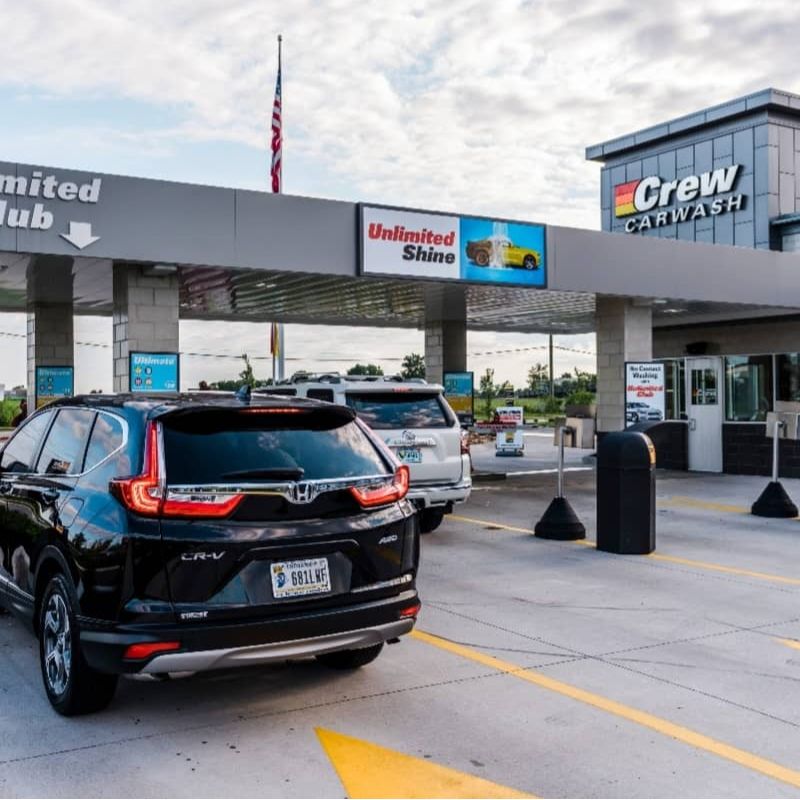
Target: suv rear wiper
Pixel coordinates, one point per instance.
(277, 473)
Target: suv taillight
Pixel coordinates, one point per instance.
(390, 492)
(464, 443)
(145, 493)
(142, 494)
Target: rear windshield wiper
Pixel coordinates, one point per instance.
(275, 474)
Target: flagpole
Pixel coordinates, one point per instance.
(276, 328)
(281, 373)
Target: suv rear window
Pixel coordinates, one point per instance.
(389, 410)
(223, 446)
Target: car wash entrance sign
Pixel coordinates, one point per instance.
(645, 395)
(699, 192)
(414, 244)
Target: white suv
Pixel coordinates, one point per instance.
(414, 420)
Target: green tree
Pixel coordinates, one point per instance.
(506, 389)
(365, 369)
(537, 376)
(488, 390)
(246, 376)
(413, 366)
(585, 381)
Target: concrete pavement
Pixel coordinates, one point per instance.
(548, 668)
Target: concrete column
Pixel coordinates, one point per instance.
(146, 309)
(624, 333)
(50, 324)
(445, 331)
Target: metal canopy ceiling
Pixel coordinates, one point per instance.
(260, 296)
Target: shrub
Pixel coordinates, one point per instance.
(581, 398)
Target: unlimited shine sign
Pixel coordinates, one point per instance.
(410, 243)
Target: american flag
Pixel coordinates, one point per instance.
(277, 138)
(275, 340)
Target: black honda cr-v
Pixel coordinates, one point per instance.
(157, 536)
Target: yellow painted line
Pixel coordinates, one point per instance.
(793, 643)
(747, 573)
(499, 525)
(682, 734)
(693, 502)
(687, 562)
(369, 770)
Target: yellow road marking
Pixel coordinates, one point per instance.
(682, 734)
(488, 522)
(748, 573)
(688, 562)
(692, 502)
(793, 643)
(368, 770)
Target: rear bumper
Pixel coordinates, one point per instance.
(201, 660)
(441, 494)
(211, 646)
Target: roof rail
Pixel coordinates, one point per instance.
(301, 376)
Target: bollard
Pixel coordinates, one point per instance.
(626, 493)
(560, 521)
(774, 501)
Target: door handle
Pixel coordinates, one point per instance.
(692, 424)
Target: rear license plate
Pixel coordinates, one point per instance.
(411, 455)
(300, 578)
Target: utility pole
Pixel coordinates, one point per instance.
(550, 348)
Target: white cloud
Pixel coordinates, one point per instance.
(463, 105)
(468, 105)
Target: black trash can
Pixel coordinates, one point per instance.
(626, 493)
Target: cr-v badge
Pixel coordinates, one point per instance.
(201, 556)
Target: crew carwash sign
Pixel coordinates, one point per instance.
(652, 193)
(41, 186)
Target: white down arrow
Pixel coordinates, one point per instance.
(80, 234)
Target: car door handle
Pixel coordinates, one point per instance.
(692, 424)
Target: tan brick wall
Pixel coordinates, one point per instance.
(146, 313)
(624, 333)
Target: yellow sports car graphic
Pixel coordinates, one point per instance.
(500, 251)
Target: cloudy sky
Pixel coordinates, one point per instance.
(460, 105)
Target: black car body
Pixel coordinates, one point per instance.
(175, 535)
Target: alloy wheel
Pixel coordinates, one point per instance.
(57, 644)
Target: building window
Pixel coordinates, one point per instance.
(788, 368)
(675, 388)
(748, 388)
(704, 387)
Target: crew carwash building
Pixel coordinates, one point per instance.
(688, 269)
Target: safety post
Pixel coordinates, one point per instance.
(774, 500)
(560, 520)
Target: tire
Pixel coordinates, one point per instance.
(430, 519)
(351, 659)
(72, 686)
(482, 258)
(529, 262)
